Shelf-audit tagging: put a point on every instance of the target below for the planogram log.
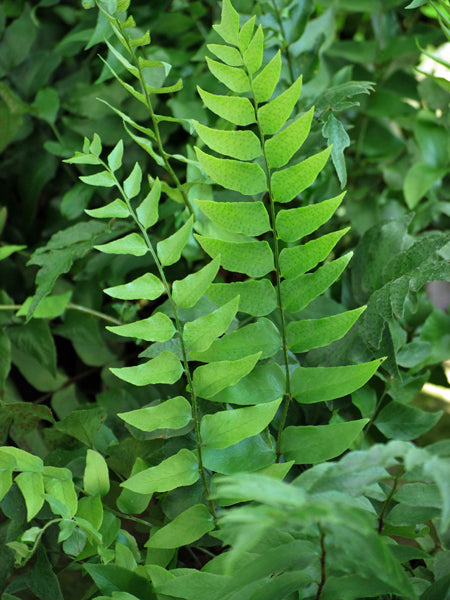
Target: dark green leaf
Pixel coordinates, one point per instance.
(403, 422)
(317, 384)
(317, 443)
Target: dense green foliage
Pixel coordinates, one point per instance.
(210, 352)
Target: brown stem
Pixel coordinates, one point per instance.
(388, 499)
(323, 573)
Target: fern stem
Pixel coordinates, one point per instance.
(323, 572)
(286, 43)
(71, 306)
(155, 123)
(187, 372)
(388, 500)
(287, 394)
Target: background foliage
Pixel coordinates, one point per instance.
(64, 426)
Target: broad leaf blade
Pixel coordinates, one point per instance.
(96, 476)
(31, 484)
(199, 334)
(297, 260)
(261, 336)
(295, 223)
(176, 471)
(253, 54)
(188, 291)
(289, 182)
(117, 209)
(319, 384)
(169, 250)
(147, 287)
(185, 529)
(265, 82)
(265, 383)
(257, 298)
(297, 293)
(228, 427)
(174, 413)
(165, 368)
(228, 29)
(211, 379)
(241, 144)
(312, 444)
(244, 177)
(281, 147)
(157, 328)
(274, 114)
(147, 211)
(249, 218)
(252, 258)
(304, 335)
(233, 78)
(129, 244)
(234, 109)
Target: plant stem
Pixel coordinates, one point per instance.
(71, 306)
(323, 573)
(94, 313)
(276, 252)
(286, 43)
(38, 539)
(389, 498)
(187, 372)
(155, 123)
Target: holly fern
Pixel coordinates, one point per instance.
(237, 349)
